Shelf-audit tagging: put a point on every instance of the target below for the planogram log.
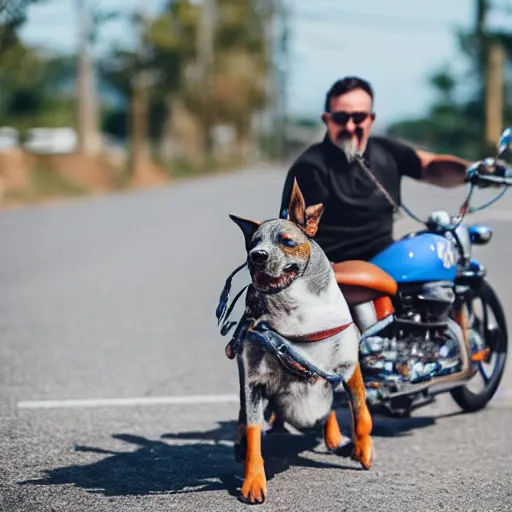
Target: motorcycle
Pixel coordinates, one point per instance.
(441, 333)
(436, 332)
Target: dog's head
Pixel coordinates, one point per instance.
(279, 250)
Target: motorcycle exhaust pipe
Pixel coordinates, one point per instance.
(435, 386)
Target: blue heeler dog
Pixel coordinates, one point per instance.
(297, 342)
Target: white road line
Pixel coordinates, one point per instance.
(502, 395)
(130, 402)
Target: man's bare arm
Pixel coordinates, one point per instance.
(442, 170)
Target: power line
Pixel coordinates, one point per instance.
(374, 22)
(333, 8)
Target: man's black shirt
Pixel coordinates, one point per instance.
(357, 222)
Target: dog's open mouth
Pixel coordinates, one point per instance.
(267, 283)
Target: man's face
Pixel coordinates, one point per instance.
(350, 134)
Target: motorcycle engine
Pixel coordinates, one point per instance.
(425, 340)
(427, 302)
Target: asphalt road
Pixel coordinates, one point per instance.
(114, 298)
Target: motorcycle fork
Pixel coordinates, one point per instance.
(460, 315)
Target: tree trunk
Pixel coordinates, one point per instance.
(89, 140)
(139, 150)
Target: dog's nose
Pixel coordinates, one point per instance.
(258, 257)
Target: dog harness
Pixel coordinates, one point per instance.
(272, 341)
(288, 356)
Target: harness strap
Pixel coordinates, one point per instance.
(289, 357)
(224, 296)
(320, 335)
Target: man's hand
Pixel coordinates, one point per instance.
(489, 172)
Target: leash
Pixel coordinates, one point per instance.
(223, 312)
(396, 209)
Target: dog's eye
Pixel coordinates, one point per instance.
(287, 241)
(255, 242)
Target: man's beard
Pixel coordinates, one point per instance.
(349, 148)
(348, 144)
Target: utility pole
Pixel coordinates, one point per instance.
(89, 141)
(482, 7)
(481, 39)
(491, 62)
(139, 109)
(271, 89)
(282, 73)
(494, 94)
(277, 48)
(206, 62)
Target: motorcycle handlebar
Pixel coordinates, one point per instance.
(489, 172)
(495, 180)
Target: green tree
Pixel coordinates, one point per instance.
(454, 123)
(13, 13)
(173, 70)
(33, 88)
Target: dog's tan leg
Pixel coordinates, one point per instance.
(361, 419)
(254, 488)
(332, 433)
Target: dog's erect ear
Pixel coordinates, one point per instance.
(247, 226)
(313, 214)
(306, 218)
(297, 206)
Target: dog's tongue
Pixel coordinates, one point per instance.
(263, 279)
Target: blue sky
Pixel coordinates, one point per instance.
(395, 44)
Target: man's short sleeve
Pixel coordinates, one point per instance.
(311, 181)
(407, 161)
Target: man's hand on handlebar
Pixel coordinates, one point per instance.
(489, 172)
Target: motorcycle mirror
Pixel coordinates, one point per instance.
(505, 146)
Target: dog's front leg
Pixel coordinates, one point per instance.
(332, 432)
(240, 438)
(361, 419)
(254, 488)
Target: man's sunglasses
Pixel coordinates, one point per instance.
(342, 118)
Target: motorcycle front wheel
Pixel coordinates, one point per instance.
(487, 324)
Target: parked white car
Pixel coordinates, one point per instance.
(51, 140)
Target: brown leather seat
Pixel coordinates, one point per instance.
(361, 281)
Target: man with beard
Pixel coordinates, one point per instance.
(357, 177)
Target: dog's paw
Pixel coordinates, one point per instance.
(333, 439)
(363, 451)
(254, 489)
(332, 435)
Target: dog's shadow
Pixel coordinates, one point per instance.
(183, 462)
(202, 461)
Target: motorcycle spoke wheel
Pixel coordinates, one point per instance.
(487, 320)
(485, 377)
(484, 322)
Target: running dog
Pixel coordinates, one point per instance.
(297, 342)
